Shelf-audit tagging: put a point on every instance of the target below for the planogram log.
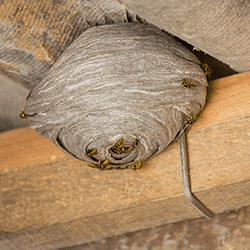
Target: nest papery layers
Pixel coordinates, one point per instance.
(117, 81)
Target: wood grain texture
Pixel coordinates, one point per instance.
(220, 29)
(34, 33)
(58, 201)
(223, 232)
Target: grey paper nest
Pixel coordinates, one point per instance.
(117, 81)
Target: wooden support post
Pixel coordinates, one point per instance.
(51, 200)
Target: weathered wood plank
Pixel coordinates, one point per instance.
(34, 34)
(59, 201)
(224, 231)
(204, 25)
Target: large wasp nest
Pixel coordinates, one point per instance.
(119, 94)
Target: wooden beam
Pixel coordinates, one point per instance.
(51, 200)
(223, 231)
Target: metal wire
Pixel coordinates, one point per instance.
(186, 180)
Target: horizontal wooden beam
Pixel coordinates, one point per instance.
(223, 231)
(50, 199)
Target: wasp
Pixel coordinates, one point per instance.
(92, 152)
(123, 167)
(206, 69)
(187, 83)
(105, 162)
(107, 168)
(137, 165)
(191, 119)
(117, 148)
(22, 114)
(102, 164)
(132, 147)
(93, 165)
(119, 143)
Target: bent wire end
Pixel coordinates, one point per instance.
(186, 181)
